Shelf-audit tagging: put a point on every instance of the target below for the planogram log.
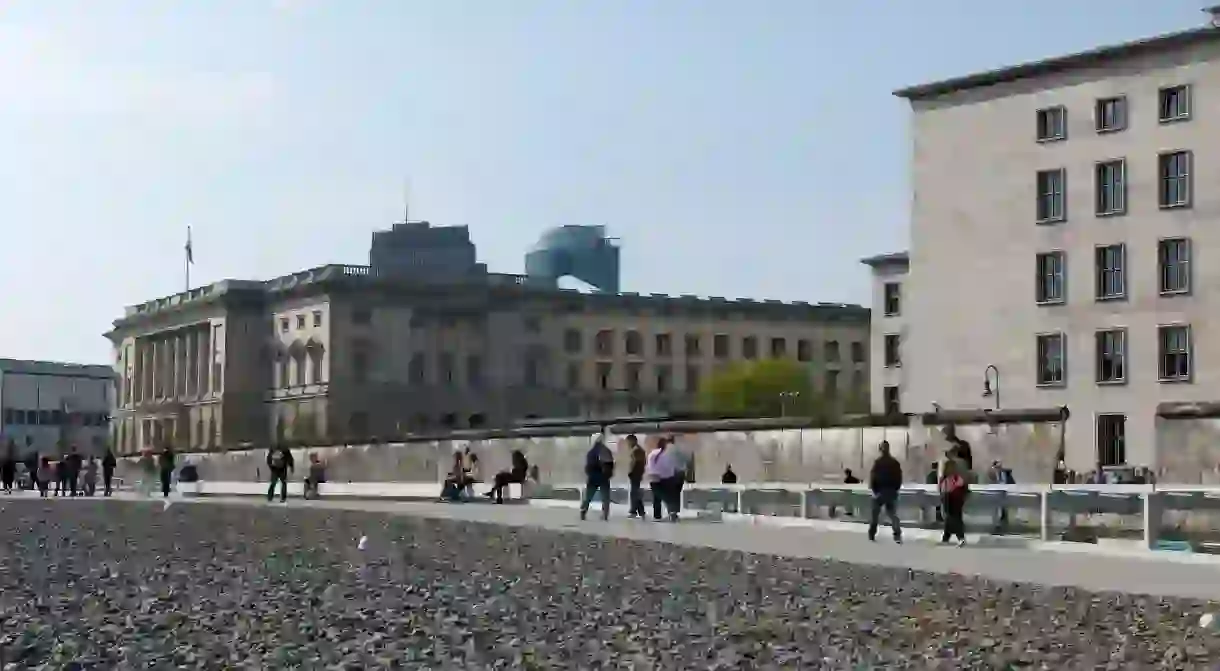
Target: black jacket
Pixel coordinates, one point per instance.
(108, 462)
(165, 461)
(886, 475)
(287, 465)
(73, 463)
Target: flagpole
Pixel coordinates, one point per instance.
(188, 260)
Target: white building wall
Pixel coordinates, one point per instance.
(881, 375)
(974, 241)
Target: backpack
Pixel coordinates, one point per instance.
(277, 459)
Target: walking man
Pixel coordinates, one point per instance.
(72, 464)
(108, 464)
(599, 468)
(279, 462)
(636, 476)
(885, 481)
(165, 462)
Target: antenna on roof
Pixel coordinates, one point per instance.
(406, 201)
(1214, 13)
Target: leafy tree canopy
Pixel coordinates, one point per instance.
(763, 388)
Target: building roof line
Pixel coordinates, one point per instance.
(892, 259)
(1060, 64)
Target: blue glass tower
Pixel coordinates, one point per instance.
(582, 252)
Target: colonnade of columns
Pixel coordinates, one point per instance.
(173, 365)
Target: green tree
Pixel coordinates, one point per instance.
(764, 388)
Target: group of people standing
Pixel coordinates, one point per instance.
(953, 485)
(665, 468)
(71, 474)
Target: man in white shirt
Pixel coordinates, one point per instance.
(661, 471)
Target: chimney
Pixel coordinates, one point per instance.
(1213, 14)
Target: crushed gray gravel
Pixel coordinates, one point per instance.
(125, 585)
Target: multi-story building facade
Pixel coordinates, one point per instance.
(342, 351)
(887, 382)
(49, 407)
(1060, 214)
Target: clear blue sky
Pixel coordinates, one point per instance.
(746, 149)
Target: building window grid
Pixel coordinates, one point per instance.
(1174, 103)
(1174, 170)
(1052, 124)
(893, 350)
(1111, 356)
(1173, 261)
(893, 299)
(804, 350)
(832, 353)
(1111, 272)
(1052, 277)
(890, 398)
(1110, 187)
(1174, 348)
(749, 347)
(1111, 440)
(1051, 184)
(1052, 360)
(1111, 114)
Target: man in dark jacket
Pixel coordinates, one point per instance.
(599, 468)
(72, 467)
(636, 476)
(165, 463)
(885, 481)
(279, 462)
(108, 464)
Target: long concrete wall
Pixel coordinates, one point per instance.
(759, 455)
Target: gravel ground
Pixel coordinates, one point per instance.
(129, 585)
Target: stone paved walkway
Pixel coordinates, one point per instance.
(1092, 571)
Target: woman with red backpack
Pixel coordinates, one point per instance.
(954, 490)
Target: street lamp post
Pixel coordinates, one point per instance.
(784, 397)
(992, 389)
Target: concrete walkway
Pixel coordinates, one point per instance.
(1163, 574)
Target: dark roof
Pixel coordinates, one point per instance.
(1060, 64)
(893, 259)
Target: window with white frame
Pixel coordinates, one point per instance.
(893, 299)
(1173, 262)
(1110, 187)
(1174, 103)
(1111, 272)
(1051, 270)
(1112, 355)
(1111, 440)
(893, 350)
(1052, 124)
(1110, 114)
(1173, 345)
(1051, 359)
(1174, 172)
(1051, 184)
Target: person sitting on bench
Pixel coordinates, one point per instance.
(515, 476)
(473, 472)
(316, 476)
(455, 481)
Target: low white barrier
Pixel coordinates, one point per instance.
(1150, 502)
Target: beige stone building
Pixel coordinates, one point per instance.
(339, 351)
(1062, 217)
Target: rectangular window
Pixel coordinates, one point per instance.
(300, 322)
(804, 350)
(317, 318)
(1111, 440)
(893, 355)
(571, 341)
(749, 347)
(1111, 356)
(1052, 185)
(664, 376)
(1174, 169)
(633, 343)
(1173, 260)
(1052, 124)
(831, 352)
(693, 346)
(1174, 103)
(692, 379)
(1051, 278)
(604, 370)
(573, 376)
(1110, 187)
(664, 343)
(1111, 114)
(633, 376)
(720, 346)
(1051, 359)
(779, 348)
(1174, 347)
(857, 352)
(283, 324)
(1111, 272)
(890, 400)
(603, 342)
(893, 299)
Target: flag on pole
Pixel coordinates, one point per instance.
(190, 252)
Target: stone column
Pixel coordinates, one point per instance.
(205, 360)
(137, 370)
(192, 365)
(156, 367)
(180, 365)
